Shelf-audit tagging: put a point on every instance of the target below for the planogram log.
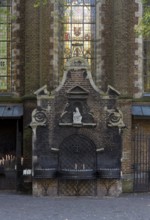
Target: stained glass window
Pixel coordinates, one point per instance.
(146, 62)
(78, 29)
(5, 45)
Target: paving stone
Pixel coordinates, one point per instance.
(26, 207)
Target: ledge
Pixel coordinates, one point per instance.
(77, 125)
(28, 97)
(77, 174)
(8, 99)
(108, 173)
(45, 173)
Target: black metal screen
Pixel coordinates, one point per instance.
(141, 166)
(77, 165)
(77, 187)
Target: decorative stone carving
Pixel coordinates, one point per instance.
(77, 117)
(39, 115)
(77, 63)
(115, 118)
(39, 118)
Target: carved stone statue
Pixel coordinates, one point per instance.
(77, 117)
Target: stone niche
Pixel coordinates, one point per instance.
(76, 141)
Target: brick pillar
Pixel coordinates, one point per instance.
(124, 46)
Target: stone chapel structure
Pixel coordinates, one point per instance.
(74, 98)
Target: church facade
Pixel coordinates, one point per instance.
(74, 97)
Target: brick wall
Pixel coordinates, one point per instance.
(36, 46)
(119, 48)
(105, 49)
(116, 49)
(32, 63)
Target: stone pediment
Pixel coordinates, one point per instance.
(77, 93)
(78, 90)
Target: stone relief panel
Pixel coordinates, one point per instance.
(115, 118)
(39, 117)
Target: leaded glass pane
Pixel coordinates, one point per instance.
(3, 32)
(77, 49)
(67, 14)
(3, 67)
(3, 83)
(5, 3)
(87, 14)
(93, 12)
(87, 50)
(67, 50)
(67, 32)
(77, 32)
(93, 33)
(89, 2)
(87, 32)
(3, 15)
(77, 2)
(3, 49)
(77, 14)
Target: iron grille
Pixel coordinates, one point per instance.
(77, 187)
(141, 166)
(77, 152)
(77, 165)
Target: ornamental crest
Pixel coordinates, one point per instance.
(77, 31)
